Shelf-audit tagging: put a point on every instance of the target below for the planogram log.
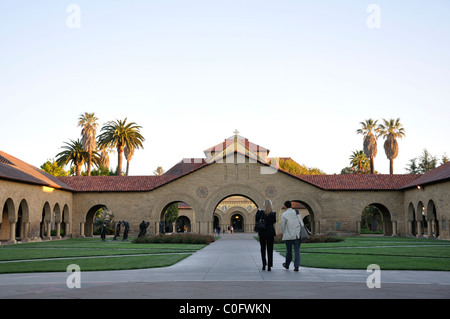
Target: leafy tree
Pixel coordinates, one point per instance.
(370, 141)
(88, 122)
(391, 130)
(119, 134)
(424, 163)
(412, 167)
(171, 214)
(292, 167)
(52, 167)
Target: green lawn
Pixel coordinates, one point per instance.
(97, 255)
(388, 252)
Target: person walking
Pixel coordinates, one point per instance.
(290, 226)
(266, 236)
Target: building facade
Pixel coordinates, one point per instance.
(37, 206)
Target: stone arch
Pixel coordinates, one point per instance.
(421, 221)
(312, 205)
(232, 190)
(182, 222)
(65, 221)
(160, 207)
(389, 228)
(45, 224)
(23, 218)
(412, 221)
(7, 233)
(242, 224)
(89, 221)
(432, 219)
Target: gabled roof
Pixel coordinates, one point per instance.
(13, 169)
(236, 144)
(437, 175)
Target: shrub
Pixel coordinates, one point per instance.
(175, 239)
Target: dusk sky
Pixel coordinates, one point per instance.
(296, 77)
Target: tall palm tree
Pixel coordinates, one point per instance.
(88, 122)
(119, 134)
(391, 130)
(128, 151)
(74, 153)
(370, 141)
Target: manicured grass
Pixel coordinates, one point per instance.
(395, 253)
(93, 264)
(98, 255)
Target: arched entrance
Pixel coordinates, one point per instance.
(421, 221)
(376, 219)
(235, 211)
(433, 222)
(237, 222)
(45, 225)
(5, 225)
(176, 216)
(95, 218)
(183, 224)
(306, 212)
(412, 221)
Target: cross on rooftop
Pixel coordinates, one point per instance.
(236, 132)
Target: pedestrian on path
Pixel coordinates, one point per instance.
(266, 235)
(290, 226)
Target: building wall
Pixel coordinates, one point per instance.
(332, 212)
(32, 201)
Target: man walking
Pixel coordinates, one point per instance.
(290, 226)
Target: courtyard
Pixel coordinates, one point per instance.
(229, 268)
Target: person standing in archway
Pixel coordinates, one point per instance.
(267, 234)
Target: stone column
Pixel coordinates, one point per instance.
(82, 230)
(394, 229)
(49, 230)
(430, 228)
(58, 230)
(409, 228)
(12, 233)
(419, 229)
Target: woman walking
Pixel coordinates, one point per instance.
(267, 234)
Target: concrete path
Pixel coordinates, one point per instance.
(230, 268)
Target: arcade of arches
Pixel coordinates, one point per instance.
(222, 190)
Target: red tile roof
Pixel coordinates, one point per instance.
(358, 181)
(115, 183)
(16, 170)
(439, 174)
(185, 166)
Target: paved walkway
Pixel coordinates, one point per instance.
(230, 268)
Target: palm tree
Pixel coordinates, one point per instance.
(391, 130)
(128, 152)
(370, 141)
(119, 134)
(74, 153)
(88, 122)
(359, 161)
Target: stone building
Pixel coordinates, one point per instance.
(32, 201)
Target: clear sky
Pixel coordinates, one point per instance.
(293, 76)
